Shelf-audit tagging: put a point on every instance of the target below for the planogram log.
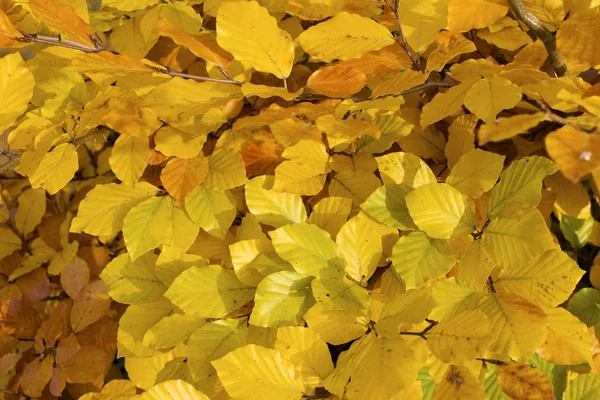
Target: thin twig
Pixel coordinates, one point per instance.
(423, 332)
(402, 42)
(200, 78)
(543, 33)
(14, 393)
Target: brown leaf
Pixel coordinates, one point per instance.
(87, 365)
(90, 305)
(66, 349)
(35, 376)
(522, 382)
(18, 318)
(58, 382)
(35, 285)
(74, 277)
(102, 334)
(55, 327)
(8, 361)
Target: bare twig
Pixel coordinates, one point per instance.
(14, 393)
(543, 33)
(201, 78)
(423, 332)
(402, 39)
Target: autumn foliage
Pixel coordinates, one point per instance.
(308, 199)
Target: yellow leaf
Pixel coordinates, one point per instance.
(61, 18)
(464, 15)
(576, 153)
(337, 81)
(303, 347)
(336, 326)
(8, 31)
(356, 185)
(56, 169)
(576, 39)
(330, 214)
(421, 21)
(212, 210)
(281, 299)
(270, 207)
(360, 247)
(419, 259)
(449, 46)
(389, 59)
(475, 68)
(105, 206)
(459, 383)
(313, 10)
(518, 327)
(441, 211)
(568, 341)
(444, 104)
(309, 249)
(129, 5)
(9, 241)
(404, 168)
(16, 83)
(550, 12)
(247, 31)
(572, 199)
(508, 127)
(104, 66)
(400, 82)
(461, 138)
(209, 292)
(476, 172)
(32, 207)
(171, 330)
(211, 342)
(204, 46)
(452, 298)
(512, 242)
(256, 373)
(411, 307)
(387, 205)
(546, 281)
(460, 338)
(265, 92)
(306, 170)
(226, 170)
(388, 366)
(157, 221)
(344, 37)
(335, 294)
(475, 266)
(487, 97)
(176, 389)
(129, 158)
(181, 176)
(519, 187)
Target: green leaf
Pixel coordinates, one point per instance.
(209, 292)
(583, 387)
(282, 299)
(309, 249)
(585, 305)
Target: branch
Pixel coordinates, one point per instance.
(423, 332)
(69, 44)
(543, 33)
(403, 43)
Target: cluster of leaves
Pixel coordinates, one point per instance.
(299, 199)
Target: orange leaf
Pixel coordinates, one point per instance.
(575, 152)
(62, 18)
(55, 327)
(337, 81)
(90, 305)
(399, 83)
(35, 376)
(66, 349)
(8, 361)
(107, 62)
(521, 381)
(203, 46)
(7, 32)
(74, 277)
(389, 59)
(18, 318)
(102, 334)
(35, 285)
(181, 176)
(88, 364)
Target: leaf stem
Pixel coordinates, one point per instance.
(543, 33)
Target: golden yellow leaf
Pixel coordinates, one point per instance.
(476, 172)
(247, 31)
(181, 176)
(204, 46)
(8, 31)
(449, 46)
(330, 214)
(16, 83)
(461, 138)
(576, 153)
(360, 246)
(263, 91)
(306, 170)
(389, 59)
(337, 81)
(506, 128)
(444, 104)
(62, 18)
(225, 170)
(568, 340)
(421, 21)
(572, 199)
(129, 158)
(56, 169)
(404, 168)
(337, 326)
(313, 10)
(464, 15)
(344, 37)
(32, 207)
(487, 97)
(576, 39)
(459, 383)
(401, 81)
